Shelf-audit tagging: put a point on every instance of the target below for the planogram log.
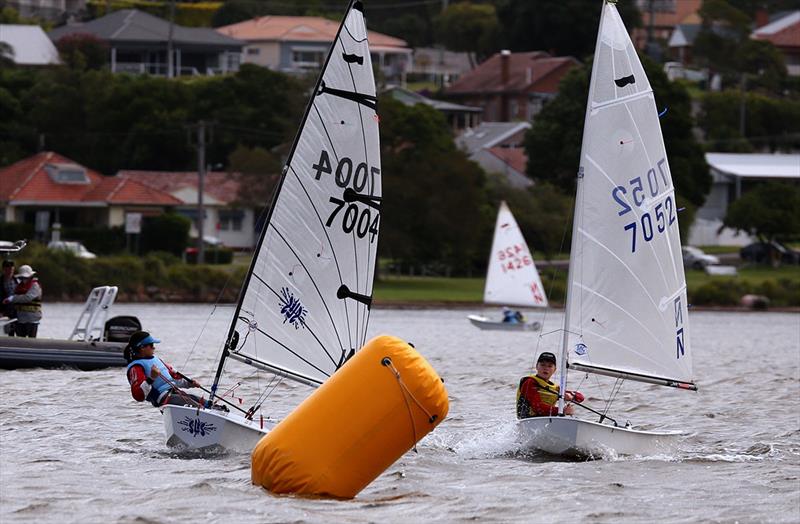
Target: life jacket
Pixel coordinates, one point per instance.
(548, 393)
(35, 305)
(159, 385)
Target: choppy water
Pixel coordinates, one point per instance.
(74, 447)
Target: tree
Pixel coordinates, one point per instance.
(429, 185)
(260, 171)
(553, 144)
(562, 27)
(83, 51)
(470, 28)
(769, 211)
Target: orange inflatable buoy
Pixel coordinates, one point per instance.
(383, 401)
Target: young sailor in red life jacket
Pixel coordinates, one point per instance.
(537, 396)
(151, 378)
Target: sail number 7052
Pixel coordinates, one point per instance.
(354, 219)
(645, 226)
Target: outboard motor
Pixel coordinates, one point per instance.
(120, 329)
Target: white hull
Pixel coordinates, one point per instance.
(570, 436)
(191, 428)
(496, 325)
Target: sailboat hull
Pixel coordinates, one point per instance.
(205, 429)
(494, 325)
(574, 437)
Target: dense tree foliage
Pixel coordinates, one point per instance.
(553, 144)
(435, 211)
(769, 211)
(83, 51)
(470, 28)
(111, 122)
(770, 123)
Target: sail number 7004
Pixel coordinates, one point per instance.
(354, 219)
(645, 226)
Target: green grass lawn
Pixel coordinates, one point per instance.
(428, 289)
(753, 275)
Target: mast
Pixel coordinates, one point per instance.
(576, 222)
(232, 338)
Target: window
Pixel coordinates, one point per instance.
(67, 173)
(231, 219)
(308, 58)
(253, 51)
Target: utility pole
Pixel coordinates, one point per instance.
(742, 104)
(201, 171)
(170, 52)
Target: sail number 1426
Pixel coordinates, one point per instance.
(648, 224)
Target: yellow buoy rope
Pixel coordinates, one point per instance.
(387, 362)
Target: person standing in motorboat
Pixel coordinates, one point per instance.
(7, 286)
(27, 300)
(537, 396)
(151, 378)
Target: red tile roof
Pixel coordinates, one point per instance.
(534, 71)
(28, 180)
(298, 28)
(784, 32)
(222, 186)
(514, 157)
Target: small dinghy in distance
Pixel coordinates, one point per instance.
(626, 314)
(304, 308)
(512, 278)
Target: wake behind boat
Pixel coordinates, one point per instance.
(626, 314)
(512, 278)
(304, 308)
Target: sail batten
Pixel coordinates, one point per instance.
(626, 283)
(318, 239)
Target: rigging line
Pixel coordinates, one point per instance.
(311, 331)
(333, 253)
(287, 348)
(325, 128)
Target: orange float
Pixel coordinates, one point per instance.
(382, 402)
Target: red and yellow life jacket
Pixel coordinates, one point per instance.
(548, 394)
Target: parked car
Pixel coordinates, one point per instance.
(694, 258)
(768, 253)
(76, 248)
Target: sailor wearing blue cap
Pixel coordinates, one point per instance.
(151, 378)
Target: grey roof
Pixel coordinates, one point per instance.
(684, 35)
(411, 98)
(134, 26)
(29, 45)
(489, 134)
(755, 165)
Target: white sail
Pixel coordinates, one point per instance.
(626, 304)
(512, 278)
(305, 306)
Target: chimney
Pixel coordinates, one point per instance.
(505, 58)
(762, 17)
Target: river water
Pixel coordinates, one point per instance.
(74, 447)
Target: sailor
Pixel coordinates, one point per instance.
(509, 316)
(537, 396)
(27, 300)
(151, 378)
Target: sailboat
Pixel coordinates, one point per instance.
(512, 278)
(304, 307)
(626, 309)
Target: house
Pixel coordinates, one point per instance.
(681, 42)
(784, 33)
(511, 86)
(731, 175)
(48, 188)
(234, 226)
(28, 45)
(458, 116)
(439, 65)
(498, 148)
(138, 43)
(50, 10)
(663, 16)
(298, 44)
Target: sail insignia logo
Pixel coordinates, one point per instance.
(196, 427)
(292, 309)
(581, 349)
